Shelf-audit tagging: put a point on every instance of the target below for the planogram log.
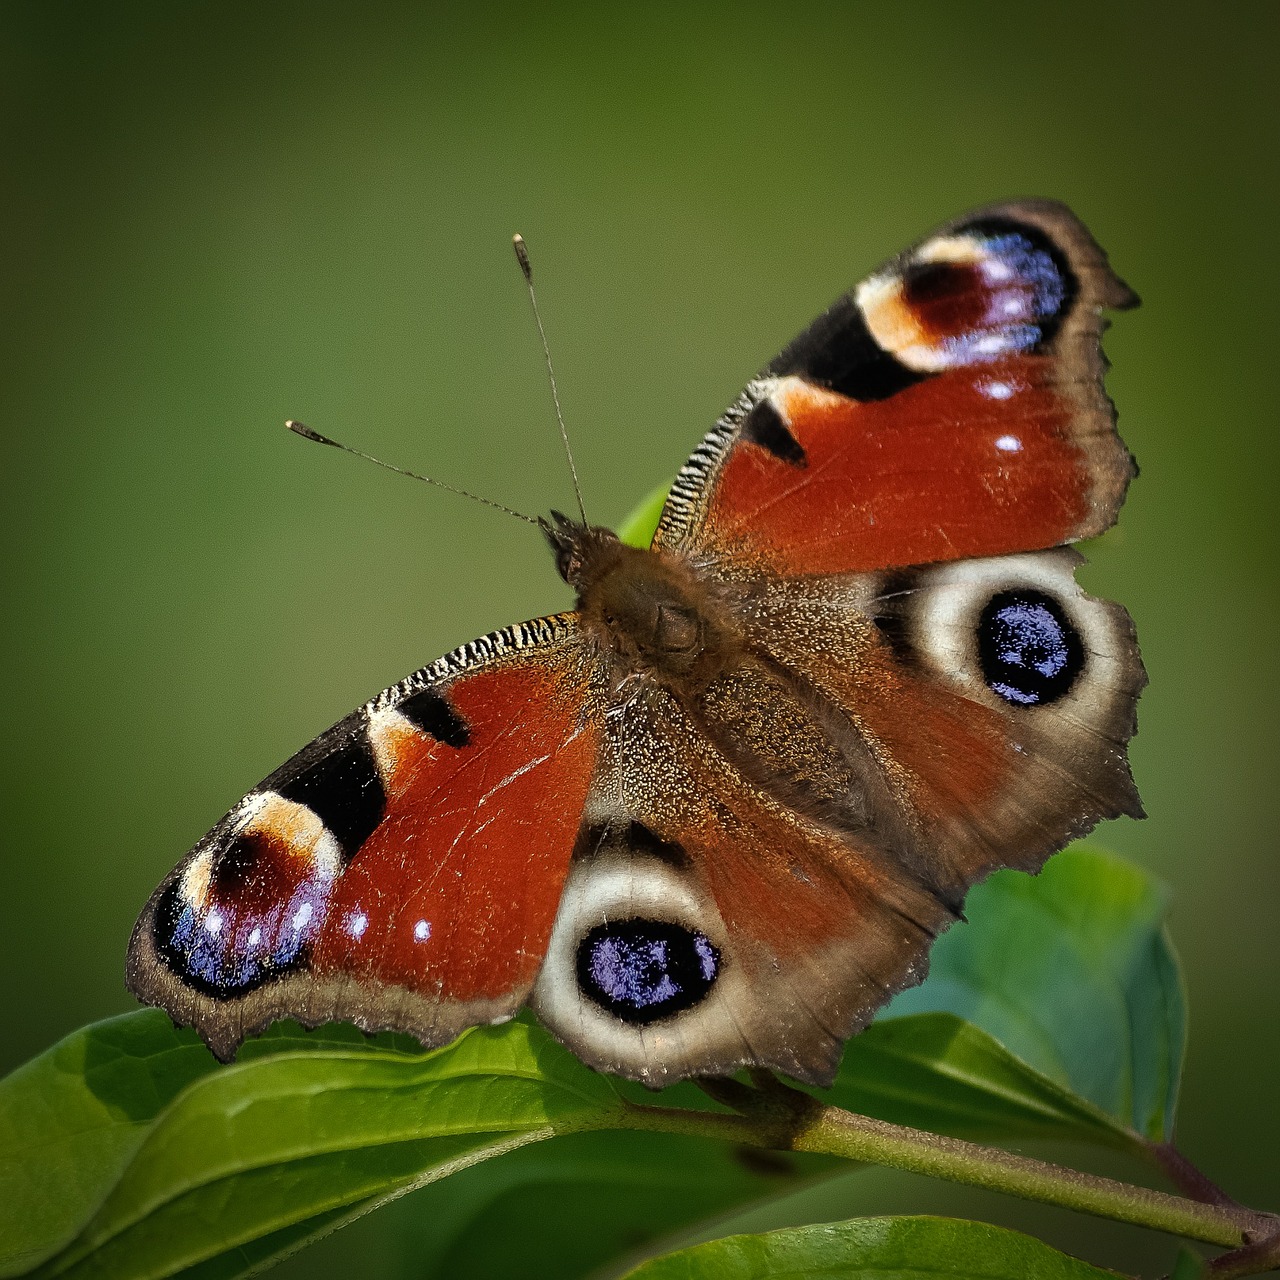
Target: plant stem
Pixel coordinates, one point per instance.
(1185, 1176)
(1252, 1260)
(809, 1126)
(840, 1132)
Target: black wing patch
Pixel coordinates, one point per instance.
(337, 778)
(432, 714)
(837, 351)
(764, 426)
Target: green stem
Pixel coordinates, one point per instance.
(841, 1133)
(809, 1126)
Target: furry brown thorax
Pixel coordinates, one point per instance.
(649, 610)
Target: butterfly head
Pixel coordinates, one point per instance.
(581, 550)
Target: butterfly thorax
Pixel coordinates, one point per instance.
(645, 608)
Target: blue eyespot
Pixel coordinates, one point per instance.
(232, 940)
(1030, 653)
(1024, 266)
(645, 970)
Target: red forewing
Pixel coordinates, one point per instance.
(401, 872)
(950, 406)
(455, 890)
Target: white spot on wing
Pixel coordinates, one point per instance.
(422, 931)
(1008, 444)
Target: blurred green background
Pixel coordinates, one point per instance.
(218, 215)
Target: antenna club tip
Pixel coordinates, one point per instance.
(301, 429)
(522, 256)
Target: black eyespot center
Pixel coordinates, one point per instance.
(1030, 652)
(642, 971)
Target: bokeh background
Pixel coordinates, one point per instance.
(214, 216)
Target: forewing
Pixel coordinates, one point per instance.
(949, 406)
(403, 871)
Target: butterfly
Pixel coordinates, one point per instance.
(716, 815)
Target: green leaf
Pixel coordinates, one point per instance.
(72, 1119)
(934, 1071)
(304, 1132)
(874, 1249)
(1072, 970)
(128, 1150)
(637, 529)
(311, 1129)
(554, 1210)
(1189, 1266)
(565, 1208)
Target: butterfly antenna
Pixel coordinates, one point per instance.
(306, 433)
(522, 257)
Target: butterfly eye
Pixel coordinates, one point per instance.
(645, 970)
(1029, 651)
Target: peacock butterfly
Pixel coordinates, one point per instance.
(716, 815)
